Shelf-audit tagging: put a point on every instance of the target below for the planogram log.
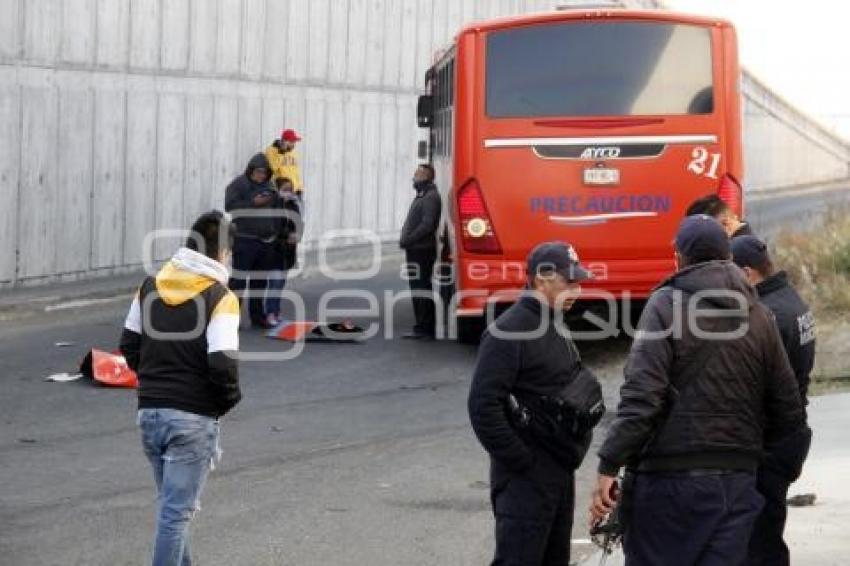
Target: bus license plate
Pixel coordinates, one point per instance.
(599, 176)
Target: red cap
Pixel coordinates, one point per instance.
(289, 135)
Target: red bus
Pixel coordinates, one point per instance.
(594, 126)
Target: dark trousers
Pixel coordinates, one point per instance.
(691, 520)
(767, 547)
(534, 513)
(420, 264)
(252, 257)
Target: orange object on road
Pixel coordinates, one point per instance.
(109, 369)
(292, 331)
(312, 331)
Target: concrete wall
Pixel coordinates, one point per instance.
(121, 116)
(783, 146)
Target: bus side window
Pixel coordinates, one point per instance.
(442, 108)
(443, 92)
(451, 82)
(438, 119)
(425, 111)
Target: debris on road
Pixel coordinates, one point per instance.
(63, 377)
(108, 368)
(312, 331)
(802, 500)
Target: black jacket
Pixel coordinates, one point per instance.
(290, 224)
(796, 326)
(423, 219)
(181, 338)
(239, 197)
(743, 395)
(538, 366)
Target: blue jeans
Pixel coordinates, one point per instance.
(277, 281)
(182, 448)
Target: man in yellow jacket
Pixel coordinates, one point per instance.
(283, 160)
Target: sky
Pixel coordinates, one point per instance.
(800, 49)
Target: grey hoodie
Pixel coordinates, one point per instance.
(238, 200)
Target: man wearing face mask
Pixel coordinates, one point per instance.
(526, 358)
(419, 241)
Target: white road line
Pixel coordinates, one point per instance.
(80, 303)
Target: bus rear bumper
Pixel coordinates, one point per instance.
(620, 280)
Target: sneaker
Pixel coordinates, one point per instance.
(262, 323)
(272, 320)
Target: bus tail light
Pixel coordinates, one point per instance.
(475, 223)
(730, 192)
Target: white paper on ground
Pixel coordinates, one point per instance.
(63, 377)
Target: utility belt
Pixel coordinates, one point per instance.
(561, 424)
(686, 463)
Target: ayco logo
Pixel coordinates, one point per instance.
(601, 153)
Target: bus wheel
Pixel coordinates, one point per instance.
(469, 329)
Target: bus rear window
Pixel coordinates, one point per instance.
(599, 69)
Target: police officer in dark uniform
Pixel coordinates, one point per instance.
(783, 462)
(527, 353)
(698, 402)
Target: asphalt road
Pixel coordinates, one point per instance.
(815, 534)
(346, 454)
